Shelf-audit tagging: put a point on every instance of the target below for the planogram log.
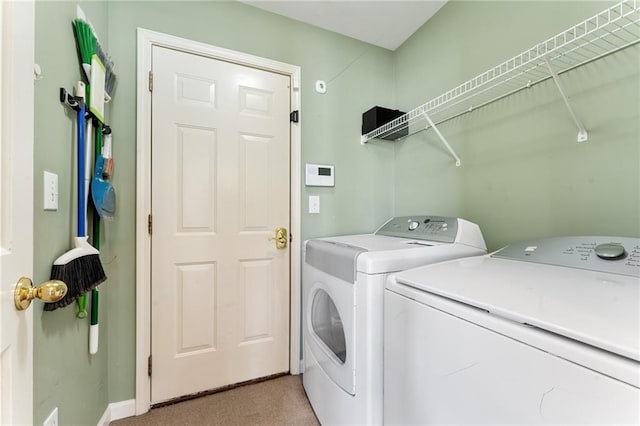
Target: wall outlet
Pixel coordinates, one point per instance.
(52, 420)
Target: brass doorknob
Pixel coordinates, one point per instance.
(48, 292)
(281, 238)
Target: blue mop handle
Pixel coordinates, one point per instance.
(81, 154)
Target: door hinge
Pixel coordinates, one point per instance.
(294, 116)
(150, 224)
(150, 81)
(149, 366)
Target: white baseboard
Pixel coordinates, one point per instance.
(117, 411)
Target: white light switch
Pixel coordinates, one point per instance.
(50, 191)
(314, 204)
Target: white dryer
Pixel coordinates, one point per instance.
(343, 286)
(541, 332)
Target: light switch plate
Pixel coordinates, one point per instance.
(50, 191)
(314, 204)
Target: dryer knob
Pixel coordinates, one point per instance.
(610, 251)
(413, 225)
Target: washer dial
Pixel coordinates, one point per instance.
(610, 251)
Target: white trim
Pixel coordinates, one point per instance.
(17, 106)
(147, 39)
(118, 410)
(106, 417)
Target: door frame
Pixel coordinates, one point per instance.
(17, 118)
(146, 40)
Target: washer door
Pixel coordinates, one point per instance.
(330, 322)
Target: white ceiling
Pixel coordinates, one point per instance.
(382, 23)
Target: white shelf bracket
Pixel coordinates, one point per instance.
(583, 136)
(442, 138)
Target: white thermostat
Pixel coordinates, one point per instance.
(319, 175)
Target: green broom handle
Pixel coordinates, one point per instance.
(95, 293)
(82, 306)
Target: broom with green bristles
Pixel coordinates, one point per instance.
(83, 255)
(88, 45)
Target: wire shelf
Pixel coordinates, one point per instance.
(607, 32)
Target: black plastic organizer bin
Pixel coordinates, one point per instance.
(379, 116)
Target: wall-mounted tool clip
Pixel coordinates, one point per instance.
(73, 102)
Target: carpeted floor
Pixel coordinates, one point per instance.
(279, 401)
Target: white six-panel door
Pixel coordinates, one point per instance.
(16, 209)
(220, 187)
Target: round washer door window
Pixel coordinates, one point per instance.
(327, 324)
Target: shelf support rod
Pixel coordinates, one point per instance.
(442, 138)
(583, 136)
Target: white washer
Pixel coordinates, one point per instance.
(343, 286)
(541, 332)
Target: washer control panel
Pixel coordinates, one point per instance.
(616, 255)
(434, 228)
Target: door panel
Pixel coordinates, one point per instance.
(253, 188)
(220, 187)
(198, 280)
(256, 286)
(197, 191)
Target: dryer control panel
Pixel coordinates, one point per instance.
(435, 228)
(616, 255)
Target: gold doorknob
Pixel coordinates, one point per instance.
(281, 238)
(48, 292)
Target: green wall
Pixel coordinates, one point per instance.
(65, 375)
(79, 385)
(327, 128)
(523, 174)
